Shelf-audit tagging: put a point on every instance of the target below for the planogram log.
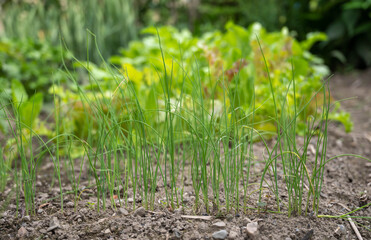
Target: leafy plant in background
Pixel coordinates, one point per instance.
(34, 64)
(174, 100)
(112, 21)
(219, 60)
(208, 15)
(26, 111)
(347, 23)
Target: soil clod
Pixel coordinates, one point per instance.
(54, 224)
(140, 212)
(123, 211)
(22, 232)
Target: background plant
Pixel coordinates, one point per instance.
(33, 65)
(52, 20)
(347, 23)
(218, 59)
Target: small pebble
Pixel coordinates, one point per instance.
(123, 211)
(233, 235)
(22, 232)
(70, 205)
(178, 210)
(222, 234)
(340, 230)
(219, 224)
(177, 233)
(252, 229)
(229, 217)
(343, 229)
(140, 212)
(54, 224)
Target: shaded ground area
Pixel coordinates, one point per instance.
(347, 184)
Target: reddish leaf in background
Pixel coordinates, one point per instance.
(237, 66)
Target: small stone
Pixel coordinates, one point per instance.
(340, 230)
(229, 217)
(107, 231)
(252, 229)
(30, 229)
(202, 226)
(54, 224)
(123, 211)
(177, 234)
(27, 218)
(40, 211)
(22, 232)
(233, 235)
(140, 212)
(195, 235)
(70, 205)
(246, 221)
(77, 217)
(84, 211)
(130, 200)
(178, 210)
(219, 224)
(288, 238)
(343, 229)
(309, 234)
(222, 234)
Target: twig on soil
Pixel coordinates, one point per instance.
(197, 217)
(155, 213)
(347, 216)
(355, 229)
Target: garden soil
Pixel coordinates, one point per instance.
(347, 186)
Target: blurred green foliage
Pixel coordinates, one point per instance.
(29, 68)
(228, 62)
(348, 26)
(35, 64)
(115, 22)
(112, 21)
(347, 22)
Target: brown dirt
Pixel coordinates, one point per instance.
(347, 182)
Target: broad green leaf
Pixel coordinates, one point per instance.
(30, 110)
(19, 94)
(312, 38)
